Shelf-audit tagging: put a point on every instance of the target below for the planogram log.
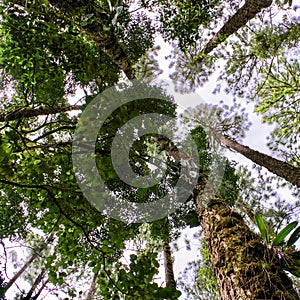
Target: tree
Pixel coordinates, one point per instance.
(238, 257)
(227, 129)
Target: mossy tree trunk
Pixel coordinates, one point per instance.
(168, 264)
(244, 267)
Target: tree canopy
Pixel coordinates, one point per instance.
(51, 52)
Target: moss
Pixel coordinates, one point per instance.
(245, 268)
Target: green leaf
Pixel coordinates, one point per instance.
(262, 227)
(284, 233)
(2, 8)
(294, 237)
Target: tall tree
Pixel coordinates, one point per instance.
(238, 255)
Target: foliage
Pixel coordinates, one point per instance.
(51, 49)
(290, 257)
(262, 228)
(227, 189)
(279, 104)
(206, 281)
(55, 53)
(279, 238)
(38, 189)
(181, 20)
(230, 121)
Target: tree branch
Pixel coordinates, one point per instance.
(30, 113)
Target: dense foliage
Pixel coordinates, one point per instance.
(52, 51)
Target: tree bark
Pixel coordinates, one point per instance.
(243, 15)
(278, 167)
(244, 267)
(37, 281)
(168, 264)
(92, 287)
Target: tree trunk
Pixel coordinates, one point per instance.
(244, 267)
(35, 285)
(168, 264)
(278, 167)
(243, 15)
(20, 272)
(35, 297)
(92, 287)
